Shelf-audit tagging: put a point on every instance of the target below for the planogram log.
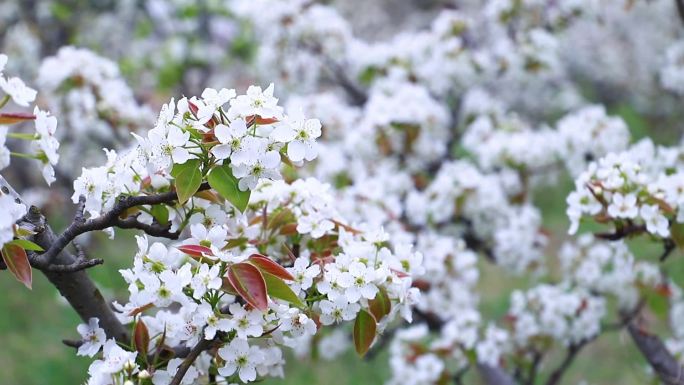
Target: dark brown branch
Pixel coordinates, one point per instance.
(201, 346)
(652, 348)
(81, 262)
(622, 232)
(494, 375)
(154, 229)
(108, 219)
(75, 286)
(680, 9)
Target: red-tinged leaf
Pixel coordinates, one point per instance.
(261, 120)
(400, 274)
(17, 263)
(289, 229)
(364, 332)
(141, 338)
(193, 108)
(346, 227)
(208, 195)
(15, 117)
(249, 283)
(196, 250)
(381, 305)
(280, 218)
(227, 286)
(267, 265)
(140, 309)
(664, 290)
(277, 288)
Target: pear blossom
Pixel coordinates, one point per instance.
(93, 337)
(623, 206)
(18, 91)
(242, 358)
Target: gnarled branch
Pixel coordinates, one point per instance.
(653, 349)
(109, 219)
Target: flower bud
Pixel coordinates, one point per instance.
(129, 366)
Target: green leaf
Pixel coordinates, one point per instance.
(364, 332)
(26, 244)
(160, 213)
(188, 178)
(248, 281)
(381, 305)
(677, 230)
(17, 263)
(277, 288)
(222, 180)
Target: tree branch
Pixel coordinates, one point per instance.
(201, 346)
(110, 219)
(680, 9)
(494, 375)
(652, 348)
(154, 229)
(73, 283)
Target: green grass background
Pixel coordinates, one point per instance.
(32, 323)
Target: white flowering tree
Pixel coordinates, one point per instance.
(431, 144)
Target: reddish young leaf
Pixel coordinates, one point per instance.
(140, 309)
(196, 250)
(269, 266)
(15, 117)
(249, 283)
(381, 305)
(364, 332)
(227, 286)
(17, 263)
(141, 338)
(261, 120)
(193, 108)
(400, 274)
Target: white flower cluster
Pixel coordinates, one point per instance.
(403, 119)
(292, 36)
(87, 91)
(460, 191)
(249, 136)
(675, 344)
(44, 142)
(607, 268)
(641, 186)
(499, 139)
(589, 134)
(337, 273)
(672, 73)
(562, 313)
